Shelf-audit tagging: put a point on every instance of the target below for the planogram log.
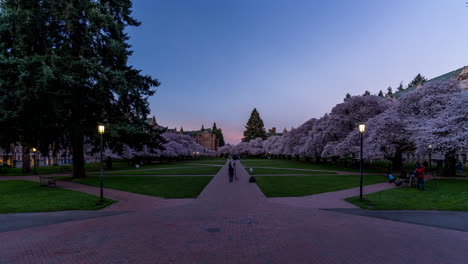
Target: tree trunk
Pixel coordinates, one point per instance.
(397, 161)
(26, 160)
(77, 151)
(450, 164)
(108, 163)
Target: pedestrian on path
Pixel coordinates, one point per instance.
(235, 172)
(230, 172)
(420, 175)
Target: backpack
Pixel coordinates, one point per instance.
(252, 179)
(416, 173)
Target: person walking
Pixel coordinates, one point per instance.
(230, 172)
(420, 175)
(235, 172)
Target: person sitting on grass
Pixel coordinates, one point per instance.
(391, 179)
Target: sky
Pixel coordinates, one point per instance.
(292, 60)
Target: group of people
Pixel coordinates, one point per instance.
(418, 173)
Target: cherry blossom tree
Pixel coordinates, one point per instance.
(225, 150)
(179, 145)
(333, 128)
(295, 139)
(437, 116)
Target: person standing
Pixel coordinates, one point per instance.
(235, 172)
(420, 175)
(230, 172)
(460, 168)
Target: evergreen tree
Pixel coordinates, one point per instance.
(400, 87)
(419, 79)
(347, 97)
(389, 92)
(219, 134)
(381, 94)
(63, 70)
(366, 93)
(254, 127)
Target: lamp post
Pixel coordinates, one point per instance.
(101, 129)
(430, 157)
(362, 129)
(34, 160)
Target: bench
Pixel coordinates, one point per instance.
(47, 181)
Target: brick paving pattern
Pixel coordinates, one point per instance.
(231, 223)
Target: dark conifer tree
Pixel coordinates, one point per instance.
(347, 97)
(254, 128)
(389, 92)
(381, 94)
(63, 70)
(400, 87)
(219, 134)
(418, 79)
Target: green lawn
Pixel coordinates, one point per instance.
(124, 166)
(302, 165)
(94, 167)
(446, 195)
(166, 187)
(284, 171)
(20, 196)
(178, 171)
(40, 171)
(286, 186)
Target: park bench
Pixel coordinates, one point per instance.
(47, 181)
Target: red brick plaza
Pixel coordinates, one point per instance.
(232, 223)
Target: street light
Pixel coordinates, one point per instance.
(101, 129)
(430, 158)
(34, 150)
(362, 129)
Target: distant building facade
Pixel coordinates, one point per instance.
(272, 132)
(204, 137)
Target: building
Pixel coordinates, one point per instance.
(204, 137)
(272, 132)
(459, 74)
(16, 156)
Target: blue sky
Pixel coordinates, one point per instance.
(292, 60)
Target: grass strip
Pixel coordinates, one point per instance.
(166, 187)
(444, 195)
(20, 196)
(289, 186)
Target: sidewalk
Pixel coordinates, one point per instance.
(331, 199)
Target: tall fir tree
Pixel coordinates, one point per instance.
(63, 70)
(254, 128)
(418, 79)
(400, 87)
(347, 96)
(219, 134)
(389, 92)
(381, 94)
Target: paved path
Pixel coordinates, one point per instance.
(331, 199)
(229, 223)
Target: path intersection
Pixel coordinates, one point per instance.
(231, 223)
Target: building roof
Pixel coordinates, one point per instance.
(450, 75)
(197, 132)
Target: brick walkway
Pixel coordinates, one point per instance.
(230, 223)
